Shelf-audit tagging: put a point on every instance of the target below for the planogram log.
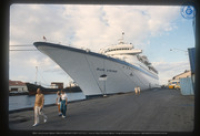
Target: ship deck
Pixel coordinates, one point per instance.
(156, 111)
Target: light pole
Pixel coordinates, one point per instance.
(179, 50)
(186, 52)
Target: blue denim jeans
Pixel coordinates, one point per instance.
(63, 107)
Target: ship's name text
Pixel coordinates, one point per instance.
(108, 70)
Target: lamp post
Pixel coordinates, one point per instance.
(186, 52)
(178, 50)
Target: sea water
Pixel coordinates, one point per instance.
(27, 101)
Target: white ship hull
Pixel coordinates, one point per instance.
(86, 69)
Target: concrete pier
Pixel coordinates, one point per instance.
(158, 110)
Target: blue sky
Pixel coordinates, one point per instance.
(179, 40)
(154, 29)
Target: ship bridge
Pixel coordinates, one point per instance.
(121, 49)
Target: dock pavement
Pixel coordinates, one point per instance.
(162, 110)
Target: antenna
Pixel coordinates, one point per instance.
(123, 36)
(44, 38)
(121, 41)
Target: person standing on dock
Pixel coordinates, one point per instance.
(38, 107)
(63, 106)
(138, 89)
(58, 101)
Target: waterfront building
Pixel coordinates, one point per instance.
(17, 87)
(175, 81)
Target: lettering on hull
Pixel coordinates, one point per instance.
(107, 70)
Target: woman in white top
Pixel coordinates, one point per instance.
(58, 102)
(63, 106)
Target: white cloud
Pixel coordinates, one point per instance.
(86, 26)
(89, 25)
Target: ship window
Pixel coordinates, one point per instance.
(103, 76)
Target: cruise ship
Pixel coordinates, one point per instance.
(116, 69)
